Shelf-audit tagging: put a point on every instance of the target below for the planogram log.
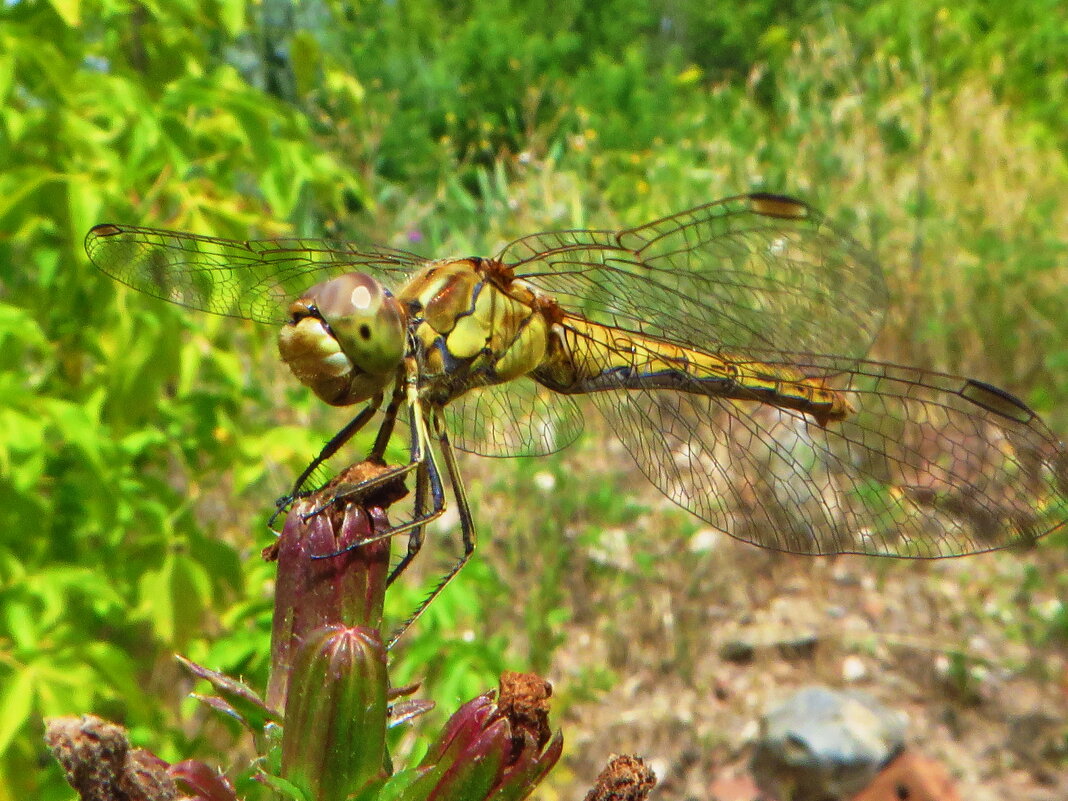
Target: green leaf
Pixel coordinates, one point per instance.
(69, 10)
(190, 590)
(232, 15)
(19, 184)
(176, 597)
(306, 59)
(18, 325)
(284, 788)
(118, 665)
(7, 69)
(16, 704)
(21, 625)
(77, 429)
(22, 454)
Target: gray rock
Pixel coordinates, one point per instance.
(825, 745)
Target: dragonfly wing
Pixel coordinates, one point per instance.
(519, 418)
(758, 271)
(255, 280)
(930, 465)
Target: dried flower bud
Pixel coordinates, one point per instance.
(495, 746)
(100, 764)
(624, 778)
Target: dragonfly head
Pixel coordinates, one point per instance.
(345, 338)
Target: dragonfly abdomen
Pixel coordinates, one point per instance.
(587, 357)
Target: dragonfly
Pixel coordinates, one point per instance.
(724, 345)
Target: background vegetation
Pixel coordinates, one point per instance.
(141, 446)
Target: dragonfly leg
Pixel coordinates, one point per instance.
(338, 440)
(385, 431)
(422, 461)
(407, 389)
(428, 481)
(331, 447)
(416, 524)
(467, 529)
(417, 455)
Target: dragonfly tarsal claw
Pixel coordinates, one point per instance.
(342, 493)
(306, 516)
(281, 505)
(391, 532)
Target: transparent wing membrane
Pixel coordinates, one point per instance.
(692, 335)
(255, 280)
(929, 465)
(519, 418)
(752, 271)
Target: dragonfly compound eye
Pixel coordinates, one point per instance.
(345, 338)
(365, 318)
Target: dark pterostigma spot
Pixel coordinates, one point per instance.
(996, 400)
(105, 229)
(777, 206)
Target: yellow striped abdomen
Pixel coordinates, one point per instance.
(586, 357)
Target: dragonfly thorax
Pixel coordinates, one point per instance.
(345, 339)
(473, 325)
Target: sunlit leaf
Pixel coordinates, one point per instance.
(19, 184)
(306, 59)
(232, 15)
(17, 696)
(69, 10)
(21, 447)
(76, 429)
(21, 625)
(7, 71)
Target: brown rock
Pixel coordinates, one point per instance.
(911, 776)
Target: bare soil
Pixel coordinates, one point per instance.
(702, 634)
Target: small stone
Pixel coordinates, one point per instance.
(853, 668)
(738, 651)
(823, 743)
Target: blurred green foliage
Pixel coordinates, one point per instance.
(140, 446)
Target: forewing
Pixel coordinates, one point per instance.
(256, 279)
(758, 271)
(518, 418)
(929, 465)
